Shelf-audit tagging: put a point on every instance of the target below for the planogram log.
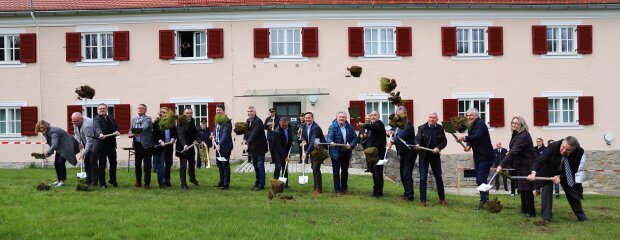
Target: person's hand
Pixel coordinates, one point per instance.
(195, 142)
(303, 156)
(162, 143)
(362, 135)
(245, 148)
(389, 145)
(531, 177)
(81, 146)
(348, 146)
(332, 144)
(81, 157)
(117, 133)
(436, 150)
(390, 133)
(217, 147)
(467, 149)
(499, 169)
(417, 147)
(303, 143)
(172, 140)
(101, 136)
(130, 135)
(460, 139)
(185, 147)
(556, 179)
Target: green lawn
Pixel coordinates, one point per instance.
(208, 213)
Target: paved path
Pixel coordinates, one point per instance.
(295, 167)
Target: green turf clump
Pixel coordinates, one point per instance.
(38, 155)
(460, 123)
(372, 155)
(167, 122)
(319, 154)
(85, 92)
(494, 206)
(220, 119)
(387, 85)
(356, 71)
(240, 128)
(43, 187)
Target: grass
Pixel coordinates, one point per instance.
(208, 213)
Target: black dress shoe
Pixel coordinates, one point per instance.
(195, 182)
(259, 188)
(114, 184)
(584, 219)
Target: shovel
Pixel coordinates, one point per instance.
(505, 174)
(81, 174)
(485, 187)
(384, 160)
(303, 179)
(282, 178)
(220, 158)
(411, 145)
(449, 128)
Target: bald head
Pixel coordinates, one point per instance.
(77, 119)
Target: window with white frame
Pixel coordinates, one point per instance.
(562, 111)
(198, 109)
(379, 41)
(383, 107)
(97, 46)
(9, 48)
(478, 103)
(91, 110)
(471, 41)
(561, 39)
(191, 44)
(285, 42)
(10, 121)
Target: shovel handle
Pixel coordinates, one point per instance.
(456, 138)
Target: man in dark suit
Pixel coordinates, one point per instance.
(282, 141)
(500, 154)
(341, 132)
(479, 141)
(105, 147)
(431, 135)
(376, 138)
(406, 155)
(561, 161)
(143, 145)
(223, 145)
(310, 132)
(363, 138)
(270, 125)
(187, 133)
(256, 146)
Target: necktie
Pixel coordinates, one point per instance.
(569, 174)
(286, 134)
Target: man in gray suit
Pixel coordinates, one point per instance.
(142, 134)
(83, 132)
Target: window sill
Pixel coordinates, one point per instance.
(95, 64)
(563, 127)
(561, 56)
(466, 58)
(285, 59)
(380, 58)
(191, 61)
(12, 65)
(5, 137)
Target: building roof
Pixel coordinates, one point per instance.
(70, 5)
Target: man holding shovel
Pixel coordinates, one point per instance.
(431, 135)
(376, 138)
(403, 135)
(342, 139)
(281, 141)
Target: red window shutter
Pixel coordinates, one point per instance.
(310, 41)
(261, 42)
(584, 39)
(539, 39)
(496, 41)
(29, 118)
(122, 115)
(211, 114)
(403, 41)
(215, 43)
(361, 105)
(496, 112)
(586, 110)
(409, 105)
(70, 110)
(28, 47)
(448, 41)
(166, 44)
(356, 41)
(121, 45)
(171, 106)
(73, 46)
(541, 111)
(450, 108)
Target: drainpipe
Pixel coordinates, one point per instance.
(39, 63)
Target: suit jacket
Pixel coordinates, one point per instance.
(363, 141)
(315, 133)
(280, 145)
(223, 136)
(159, 135)
(539, 150)
(499, 156)
(479, 140)
(266, 126)
(62, 143)
(203, 135)
(550, 164)
(101, 126)
(146, 137)
(187, 135)
(84, 135)
(408, 135)
(521, 153)
(334, 134)
(377, 136)
(424, 138)
(255, 137)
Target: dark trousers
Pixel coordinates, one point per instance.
(61, 169)
(167, 163)
(110, 154)
(527, 202)
(143, 155)
(435, 163)
(316, 175)
(556, 188)
(224, 168)
(258, 161)
(281, 169)
(341, 179)
(482, 169)
(377, 180)
(191, 170)
(86, 163)
(579, 188)
(407, 162)
(93, 168)
(571, 195)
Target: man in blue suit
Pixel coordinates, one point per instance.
(341, 132)
(406, 155)
(256, 146)
(281, 141)
(310, 132)
(223, 146)
(479, 140)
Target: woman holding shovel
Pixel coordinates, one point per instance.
(63, 144)
(520, 158)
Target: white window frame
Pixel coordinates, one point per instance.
(283, 58)
(285, 42)
(476, 97)
(378, 98)
(573, 95)
(11, 32)
(99, 47)
(90, 29)
(557, 40)
(187, 28)
(8, 49)
(470, 41)
(177, 45)
(473, 25)
(16, 135)
(193, 102)
(381, 39)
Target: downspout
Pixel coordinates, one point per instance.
(39, 63)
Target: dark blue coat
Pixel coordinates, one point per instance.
(315, 132)
(334, 134)
(280, 145)
(224, 138)
(479, 140)
(255, 137)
